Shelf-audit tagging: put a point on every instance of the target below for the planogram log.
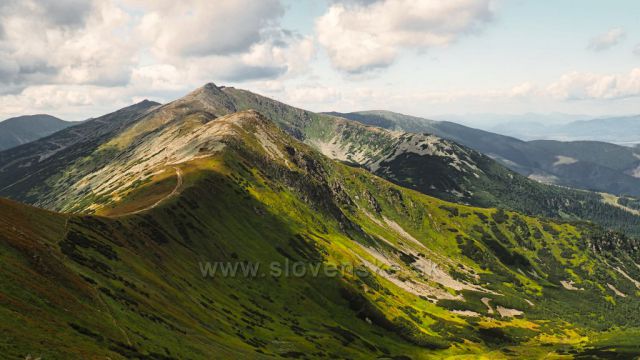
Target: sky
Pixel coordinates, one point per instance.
(77, 59)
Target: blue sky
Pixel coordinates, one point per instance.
(421, 57)
(528, 41)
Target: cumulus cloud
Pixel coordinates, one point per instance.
(97, 42)
(313, 94)
(235, 40)
(565, 91)
(131, 48)
(607, 40)
(66, 101)
(70, 42)
(583, 86)
(92, 56)
(200, 27)
(364, 35)
(279, 55)
(70, 13)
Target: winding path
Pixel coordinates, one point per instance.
(154, 205)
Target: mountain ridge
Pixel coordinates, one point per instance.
(434, 278)
(365, 144)
(530, 158)
(425, 163)
(52, 154)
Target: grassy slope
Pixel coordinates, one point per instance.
(131, 287)
(495, 187)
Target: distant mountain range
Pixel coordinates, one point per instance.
(161, 202)
(487, 121)
(619, 130)
(623, 130)
(585, 165)
(24, 129)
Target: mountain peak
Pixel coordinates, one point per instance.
(147, 102)
(210, 85)
(210, 98)
(210, 89)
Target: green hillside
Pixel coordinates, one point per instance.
(418, 277)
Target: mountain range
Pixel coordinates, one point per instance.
(622, 130)
(24, 129)
(59, 172)
(588, 165)
(137, 207)
(491, 121)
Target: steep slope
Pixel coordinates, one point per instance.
(426, 163)
(23, 129)
(413, 276)
(511, 152)
(30, 172)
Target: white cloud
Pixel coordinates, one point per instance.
(201, 27)
(313, 94)
(134, 48)
(321, 97)
(66, 13)
(636, 50)
(278, 57)
(600, 91)
(104, 42)
(582, 86)
(78, 57)
(65, 101)
(286, 50)
(158, 76)
(43, 43)
(523, 90)
(607, 40)
(364, 36)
